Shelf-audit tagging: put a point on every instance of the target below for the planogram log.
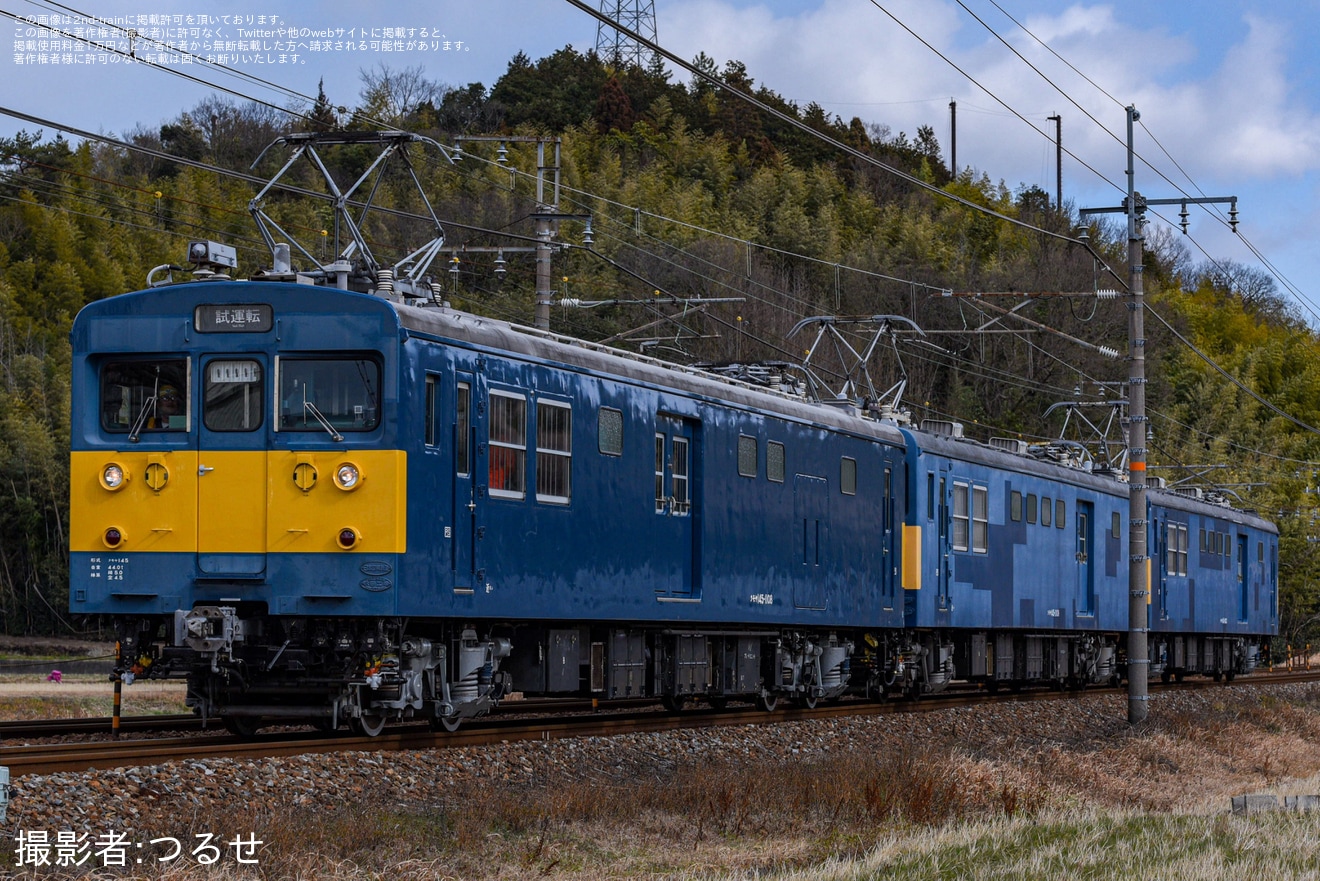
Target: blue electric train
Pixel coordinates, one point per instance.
(352, 507)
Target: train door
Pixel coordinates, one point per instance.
(464, 507)
(1085, 571)
(231, 468)
(676, 512)
(944, 575)
(888, 553)
(1243, 605)
(811, 498)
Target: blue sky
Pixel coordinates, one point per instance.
(1228, 89)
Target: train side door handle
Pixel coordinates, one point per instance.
(202, 469)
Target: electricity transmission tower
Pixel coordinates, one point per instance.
(637, 16)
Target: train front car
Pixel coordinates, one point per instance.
(1214, 599)
(238, 497)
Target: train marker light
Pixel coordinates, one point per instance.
(347, 476)
(114, 537)
(113, 477)
(348, 537)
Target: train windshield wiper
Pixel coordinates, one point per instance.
(309, 407)
(148, 406)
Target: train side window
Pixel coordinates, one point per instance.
(1116, 525)
(930, 495)
(1015, 506)
(1060, 513)
(463, 430)
(1202, 539)
(1171, 548)
(774, 461)
(554, 452)
(980, 520)
(746, 455)
(680, 471)
(508, 445)
(145, 395)
(232, 396)
(1260, 552)
(1182, 549)
(1031, 507)
(848, 476)
(609, 431)
(961, 517)
(432, 389)
(1046, 509)
(660, 496)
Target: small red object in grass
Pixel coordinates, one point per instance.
(54, 676)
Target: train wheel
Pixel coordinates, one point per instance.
(672, 702)
(767, 702)
(242, 726)
(326, 725)
(719, 703)
(445, 723)
(810, 700)
(367, 725)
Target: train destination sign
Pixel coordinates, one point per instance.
(233, 318)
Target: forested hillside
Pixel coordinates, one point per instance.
(693, 194)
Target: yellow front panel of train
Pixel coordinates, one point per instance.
(149, 498)
(337, 502)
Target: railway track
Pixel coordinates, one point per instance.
(48, 758)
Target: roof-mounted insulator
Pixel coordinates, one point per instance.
(384, 281)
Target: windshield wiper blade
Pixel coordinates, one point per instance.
(309, 407)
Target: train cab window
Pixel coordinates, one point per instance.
(930, 495)
(980, 520)
(232, 395)
(1060, 513)
(1116, 525)
(1171, 549)
(609, 431)
(329, 394)
(848, 476)
(1046, 510)
(432, 389)
(1202, 539)
(746, 455)
(961, 517)
(508, 445)
(139, 396)
(1015, 506)
(1182, 549)
(774, 461)
(463, 430)
(1031, 507)
(554, 452)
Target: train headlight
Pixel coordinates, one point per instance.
(347, 538)
(113, 476)
(347, 476)
(113, 537)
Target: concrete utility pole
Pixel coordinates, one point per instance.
(1058, 160)
(953, 137)
(1134, 206)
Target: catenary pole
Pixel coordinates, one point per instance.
(1139, 564)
